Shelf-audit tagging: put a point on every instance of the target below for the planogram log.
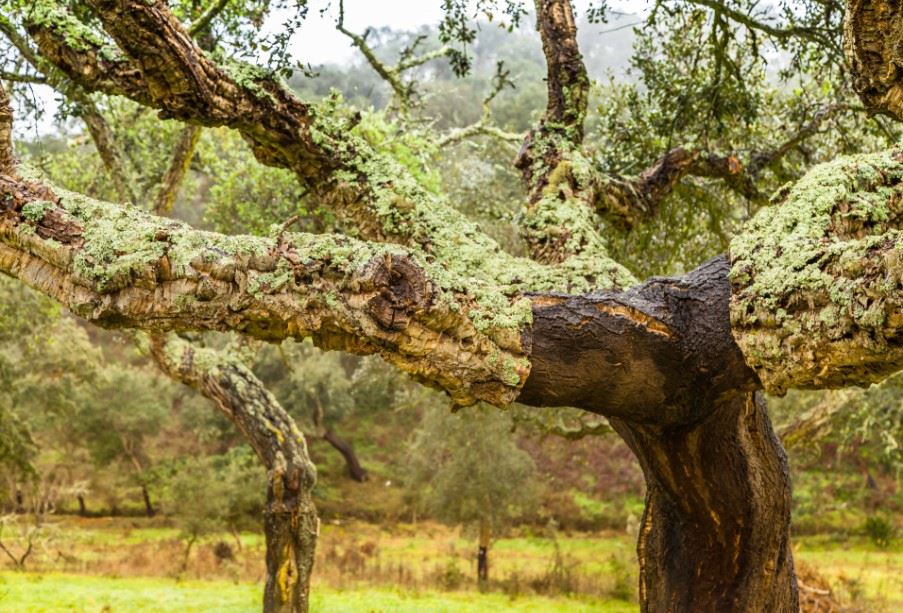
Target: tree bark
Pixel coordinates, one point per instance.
(483, 551)
(355, 470)
(715, 534)
(291, 525)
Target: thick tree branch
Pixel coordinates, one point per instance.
(369, 191)
(559, 225)
(122, 268)
(86, 108)
(567, 80)
(817, 278)
(639, 354)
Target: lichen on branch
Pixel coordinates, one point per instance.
(120, 267)
(817, 277)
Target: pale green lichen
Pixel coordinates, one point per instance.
(245, 75)
(76, 35)
(816, 277)
(34, 211)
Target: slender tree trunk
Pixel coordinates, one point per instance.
(355, 470)
(148, 506)
(483, 552)
(716, 531)
(82, 508)
(291, 525)
(188, 546)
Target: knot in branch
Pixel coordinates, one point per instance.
(400, 288)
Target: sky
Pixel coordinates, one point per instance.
(318, 42)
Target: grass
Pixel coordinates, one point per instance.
(135, 565)
(54, 592)
(857, 569)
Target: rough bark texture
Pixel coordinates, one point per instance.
(715, 534)
(6, 132)
(290, 520)
(817, 278)
(873, 43)
(122, 268)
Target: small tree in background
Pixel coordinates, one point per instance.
(468, 469)
(215, 493)
(127, 409)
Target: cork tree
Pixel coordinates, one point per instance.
(808, 296)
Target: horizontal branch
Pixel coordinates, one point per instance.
(367, 190)
(817, 278)
(119, 267)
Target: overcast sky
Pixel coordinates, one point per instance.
(318, 42)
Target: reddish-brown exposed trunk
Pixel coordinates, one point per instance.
(660, 362)
(716, 531)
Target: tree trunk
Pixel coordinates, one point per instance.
(148, 507)
(291, 525)
(355, 470)
(661, 363)
(716, 531)
(483, 552)
(82, 508)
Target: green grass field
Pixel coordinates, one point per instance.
(106, 565)
(51, 593)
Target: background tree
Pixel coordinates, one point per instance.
(466, 469)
